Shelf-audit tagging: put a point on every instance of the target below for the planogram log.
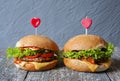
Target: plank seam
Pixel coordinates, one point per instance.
(25, 76)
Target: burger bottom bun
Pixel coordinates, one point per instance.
(84, 66)
(35, 66)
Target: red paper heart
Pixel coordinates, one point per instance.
(86, 22)
(35, 22)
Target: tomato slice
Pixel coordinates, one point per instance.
(47, 55)
(91, 60)
(33, 56)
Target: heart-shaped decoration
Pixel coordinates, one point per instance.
(86, 22)
(35, 22)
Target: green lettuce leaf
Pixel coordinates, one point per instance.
(17, 52)
(94, 53)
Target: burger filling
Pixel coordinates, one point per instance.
(94, 56)
(31, 54)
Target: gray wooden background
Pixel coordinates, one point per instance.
(60, 19)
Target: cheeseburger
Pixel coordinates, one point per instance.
(87, 53)
(34, 53)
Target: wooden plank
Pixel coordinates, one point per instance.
(114, 71)
(66, 75)
(61, 73)
(8, 72)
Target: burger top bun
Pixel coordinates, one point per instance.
(84, 42)
(37, 41)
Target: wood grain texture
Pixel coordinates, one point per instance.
(114, 71)
(8, 72)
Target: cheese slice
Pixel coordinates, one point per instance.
(42, 65)
(92, 67)
(101, 67)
